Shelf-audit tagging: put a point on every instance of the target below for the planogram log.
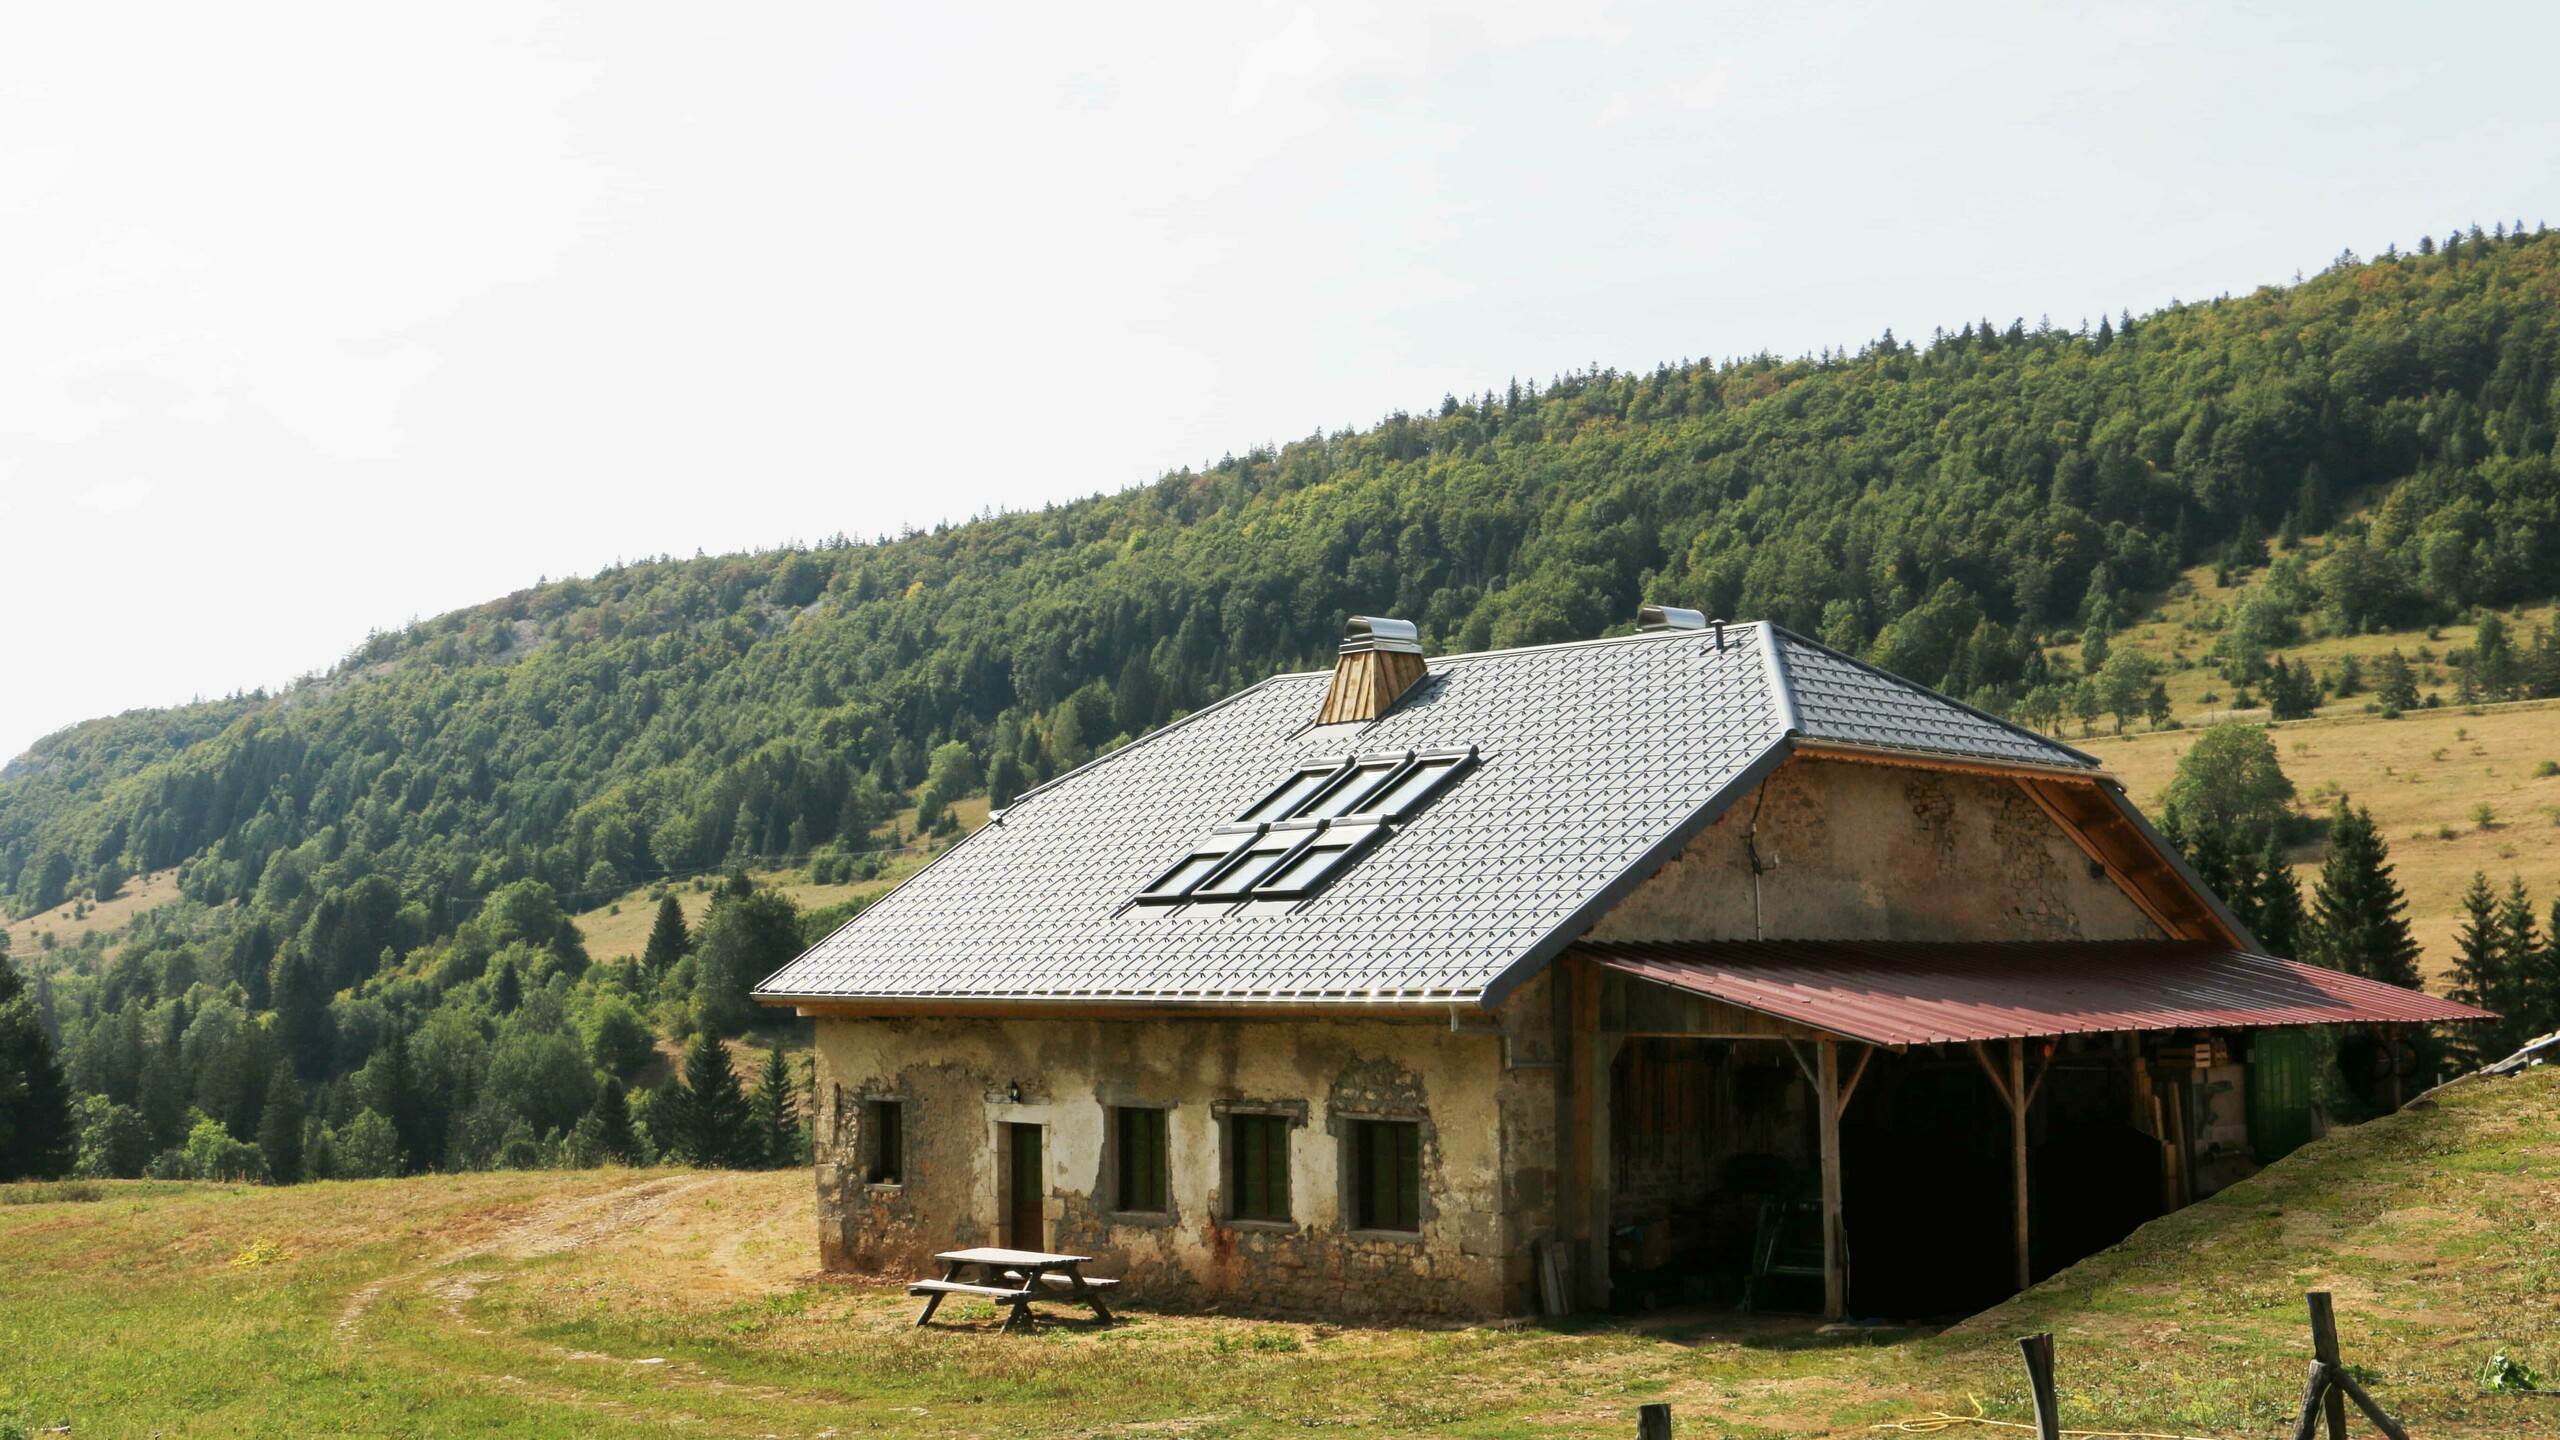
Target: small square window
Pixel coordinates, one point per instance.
(884, 1128)
(1139, 1133)
(1258, 1167)
(1386, 1175)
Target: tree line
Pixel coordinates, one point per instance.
(351, 851)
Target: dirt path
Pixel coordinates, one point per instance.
(551, 1228)
(659, 1216)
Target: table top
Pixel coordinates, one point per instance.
(991, 1255)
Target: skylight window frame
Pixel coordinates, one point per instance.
(1328, 773)
(1345, 840)
(1396, 762)
(1283, 838)
(1235, 839)
(1454, 763)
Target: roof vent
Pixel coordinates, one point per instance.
(1669, 617)
(1380, 660)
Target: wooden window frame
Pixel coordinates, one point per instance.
(1406, 1213)
(1123, 1155)
(1272, 1121)
(884, 1145)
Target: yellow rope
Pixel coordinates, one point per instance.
(1932, 1424)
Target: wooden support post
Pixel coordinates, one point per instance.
(1592, 1054)
(2018, 1102)
(2324, 1353)
(1653, 1422)
(2326, 1393)
(2391, 1053)
(1835, 1276)
(2038, 1350)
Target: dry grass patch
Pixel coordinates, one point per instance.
(2421, 775)
(143, 892)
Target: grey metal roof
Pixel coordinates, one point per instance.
(1598, 761)
(1841, 699)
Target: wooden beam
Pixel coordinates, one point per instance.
(2018, 1155)
(1914, 760)
(1593, 1052)
(2083, 812)
(1835, 1277)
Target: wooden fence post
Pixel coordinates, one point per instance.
(2330, 1387)
(1653, 1422)
(2038, 1350)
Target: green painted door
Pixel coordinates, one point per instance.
(2279, 1093)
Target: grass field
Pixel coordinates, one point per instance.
(641, 1303)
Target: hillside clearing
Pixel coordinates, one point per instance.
(623, 1302)
(2421, 775)
(71, 921)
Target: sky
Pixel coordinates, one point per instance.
(318, 318)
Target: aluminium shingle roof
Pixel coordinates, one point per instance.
(1593, 756)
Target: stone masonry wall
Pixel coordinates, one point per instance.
(956, 1079)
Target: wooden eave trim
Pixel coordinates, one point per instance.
(1431, 1010)
(2137, 868)
(1926, 760)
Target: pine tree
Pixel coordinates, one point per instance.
(2532, 1011)
(302, 1012)
(704, 1120)
(612, 1114)
(2480, 971)
(2398, 687)
(2359, 918)
(506, 993)
(280, 1127)
(37, 1138)
(777, 1111)
(668, 938)
(2279, 919)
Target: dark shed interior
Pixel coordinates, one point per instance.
(1716, 1169)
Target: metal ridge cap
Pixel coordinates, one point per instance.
(1782, 686)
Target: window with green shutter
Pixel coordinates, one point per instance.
(1144, 1159)
(1386, 1174)
(1258, 1167)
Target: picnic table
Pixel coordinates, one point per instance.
(1014, 1278)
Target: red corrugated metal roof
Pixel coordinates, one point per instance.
(1917, 993)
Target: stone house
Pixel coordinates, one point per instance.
(1689, 964)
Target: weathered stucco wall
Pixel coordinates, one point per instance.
(953, 1077)
(1873, 852)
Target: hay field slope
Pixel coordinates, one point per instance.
(2423, 776)
(612, 1303)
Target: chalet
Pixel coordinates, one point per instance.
(1703, 963)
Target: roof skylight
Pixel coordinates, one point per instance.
(1308, 829)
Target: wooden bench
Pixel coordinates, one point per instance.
(963, 1287)
(1028, 1275)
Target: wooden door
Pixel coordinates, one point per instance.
(1025, 1226)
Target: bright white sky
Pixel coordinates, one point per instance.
(315, 318)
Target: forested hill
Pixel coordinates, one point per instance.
(1947, 510)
